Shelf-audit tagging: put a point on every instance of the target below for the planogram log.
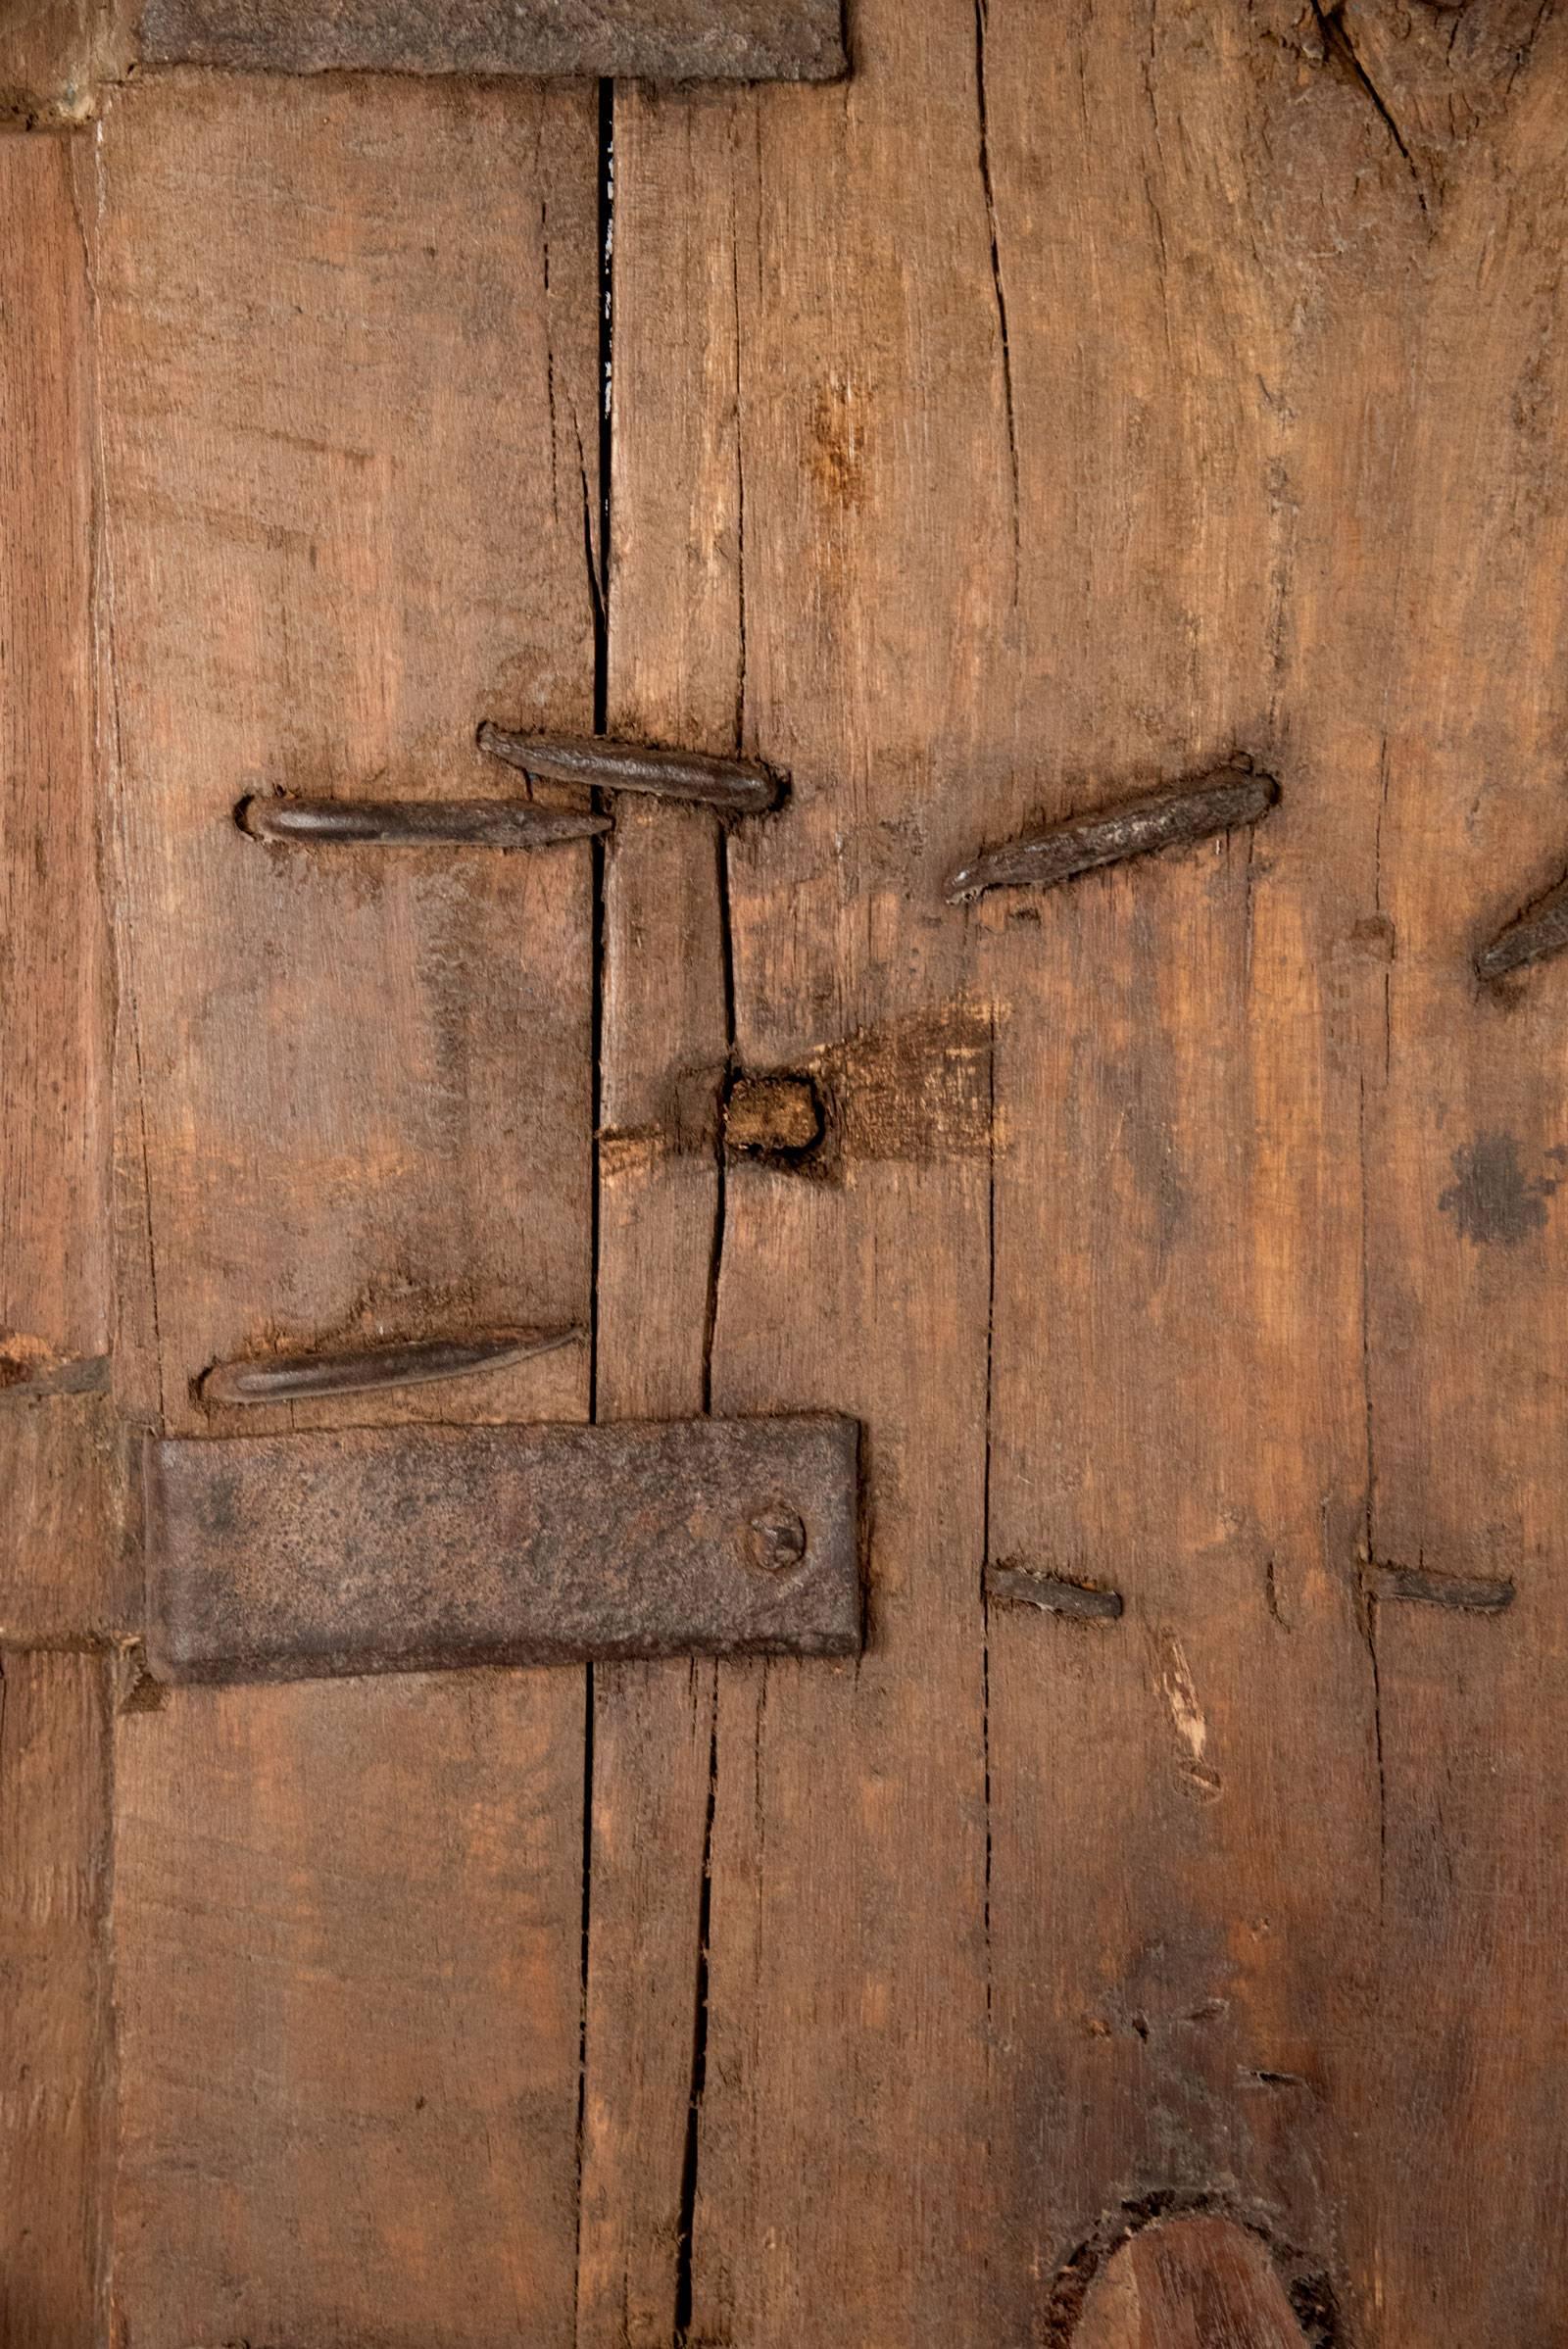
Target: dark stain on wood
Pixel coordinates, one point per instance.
(912, 1089)
(1490, 1199)
(837, 445)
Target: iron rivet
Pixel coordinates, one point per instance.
(776, 1540)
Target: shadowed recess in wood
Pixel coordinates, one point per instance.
(1478, 1594)
(776, 1115)
(1161, 819)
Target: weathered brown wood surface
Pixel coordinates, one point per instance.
(62, 1590)
(54, 1110)
(1060, 409)
(349, 358)
(1089, 390)
(55, 57)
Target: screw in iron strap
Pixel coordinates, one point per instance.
(776, 1540)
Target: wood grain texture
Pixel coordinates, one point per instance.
(838, 2054)
(1177, 1403)
(347, 1936)
(54, 1130)
(1103, 407)
(1468, 1249)
(69, 1570)
(1188, 2283)
(56, 57)
(63, 1579)
(55, 2096)
(348, 356)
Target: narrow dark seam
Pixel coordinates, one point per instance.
(598, 559)
(684, 2263)
(980, 11)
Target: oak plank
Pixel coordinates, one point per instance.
(56, 2099)
(69, 1574)
(64, 1581)
(671, 676)
(54, 1004)
(1183, 1946)
(349, 362)
(1028, 1918)
(1466, 1240)
(840, 2049)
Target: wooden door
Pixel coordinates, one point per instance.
(1159, 1933)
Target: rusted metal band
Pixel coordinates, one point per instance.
(735, 786)
(1536, 935)
(416, 823)
(399, 1549)
(656, 41)
(284, 1378)
(1161, 819)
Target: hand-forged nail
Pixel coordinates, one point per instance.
(1540, 930)
(282, 1378)
(1160, 820)
(1021, 1587)
(739, 786)
(417, 823)
(1479, 1596)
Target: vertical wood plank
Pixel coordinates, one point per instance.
(1075, 472)
(351, 457)
(55, 2099)
(672, 607)
(1178, 1407)
(1467, 1142)
(61, 1462)
(54, 1129)
(839, 2060)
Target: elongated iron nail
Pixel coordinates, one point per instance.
(1161, 819)
(281, 1378)
(1539, 931)
(1018, 1587)
(739, 786)
(417, 823)
(1479, 1596)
